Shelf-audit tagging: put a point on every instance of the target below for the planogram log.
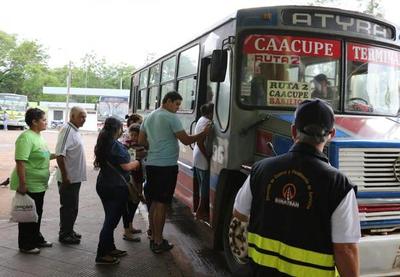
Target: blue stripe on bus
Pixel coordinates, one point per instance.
(379, 223)
(378, 194)
(355, 143)
(281, 144)
(289, 118)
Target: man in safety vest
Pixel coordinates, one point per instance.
(303, 212)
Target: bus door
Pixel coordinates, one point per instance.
(206, 94)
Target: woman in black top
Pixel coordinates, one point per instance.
(114, 162)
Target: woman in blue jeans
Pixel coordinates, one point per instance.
(114, 162)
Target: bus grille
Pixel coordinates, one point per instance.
(371, 169)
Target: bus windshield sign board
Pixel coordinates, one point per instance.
(332, 21)
(264, 50)
(366, 53)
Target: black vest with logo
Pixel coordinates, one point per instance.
(294, 196)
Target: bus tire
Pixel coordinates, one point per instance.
(238, 267)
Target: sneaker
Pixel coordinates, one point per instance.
(118, 253)
(107, 260)
(30, 251)
(69, 240)
(162, 247)
(45, 244)
(76, 235)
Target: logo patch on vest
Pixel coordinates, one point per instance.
(290, 188)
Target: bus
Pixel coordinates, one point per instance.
(256, 66)
(15, 106)
(116, 106)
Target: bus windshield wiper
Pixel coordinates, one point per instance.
(244, 131)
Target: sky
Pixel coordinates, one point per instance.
(126, 31)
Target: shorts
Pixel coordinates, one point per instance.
(203, 179)
(161, 183)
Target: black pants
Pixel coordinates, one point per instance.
(29, 235)
(114, 202)
(129, 213)
(69, 201)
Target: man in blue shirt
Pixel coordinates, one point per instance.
(160, 132)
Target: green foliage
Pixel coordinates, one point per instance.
(24, 70)
(372, 7)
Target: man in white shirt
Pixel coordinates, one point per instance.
(201, 157)
(71, 173)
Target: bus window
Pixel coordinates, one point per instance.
(277, 70)
(187, 89)
(168, 70)
(166, 88)
(141, 105)
(188, 61)
(154, 75)
(373, 80)
(143, 79)
(153, 98)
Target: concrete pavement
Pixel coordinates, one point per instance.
(78, 260)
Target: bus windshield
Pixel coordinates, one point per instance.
(281, 71)
(112, 106)
(9, 102)
(373, 75)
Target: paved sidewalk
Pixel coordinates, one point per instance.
(78, 260)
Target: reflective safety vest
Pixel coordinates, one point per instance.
(290, 260)
(293, 198)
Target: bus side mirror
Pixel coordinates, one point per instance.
(218, 65)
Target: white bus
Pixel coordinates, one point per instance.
(256, 66)
(15, 106)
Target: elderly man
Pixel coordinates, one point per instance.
(70, 174)
(303, 212)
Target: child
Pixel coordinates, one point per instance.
(137, 153)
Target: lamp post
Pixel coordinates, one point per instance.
(68, 90)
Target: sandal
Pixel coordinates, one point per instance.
(162, 247)
(136, 231)
(129, 238)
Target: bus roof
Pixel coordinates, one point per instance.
(240, 12)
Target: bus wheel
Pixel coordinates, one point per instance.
(237, 265)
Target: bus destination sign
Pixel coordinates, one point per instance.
(337, 22)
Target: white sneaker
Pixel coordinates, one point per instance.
(30, 251)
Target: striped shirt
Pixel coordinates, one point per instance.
(70, 146)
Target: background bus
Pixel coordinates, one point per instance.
(15, 105)
(256, 66)
(116, 106)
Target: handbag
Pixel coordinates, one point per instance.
(135, 195)
(23, 208)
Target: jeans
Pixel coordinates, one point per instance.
(69, 204)
(203, 178)
(29, 235)
(114, 201)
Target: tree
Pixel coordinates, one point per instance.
(21, 63)
(372, 7)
